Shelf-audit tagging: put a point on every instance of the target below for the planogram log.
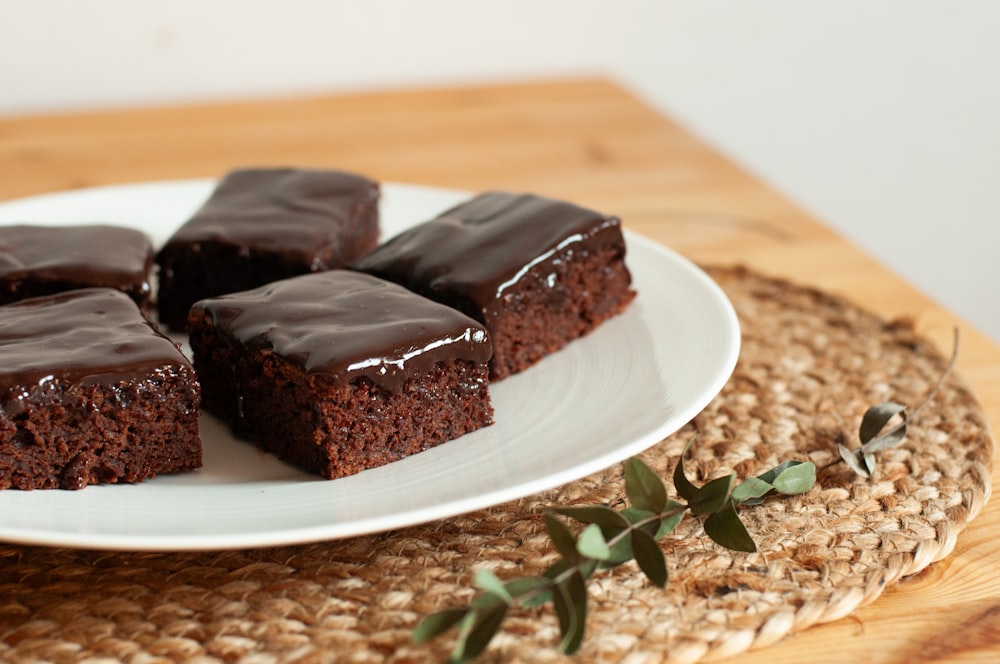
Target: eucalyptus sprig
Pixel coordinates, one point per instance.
(609, 538)
(875, 433)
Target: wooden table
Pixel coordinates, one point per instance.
(591, 142)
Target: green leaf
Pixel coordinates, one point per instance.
(478, 630)
(869, 460)
(668, 523)
(770, 475)
(610, 521)
(538, 599)
(437, 623)
(529, 590)
(587, 567)
(592, 544)
(643, 487)
(751, 491)
(788, 477)
(650, 557)
(561, 537)
(486, 600)
(558, 567)
(523, 585)
(488, 581)
(887, 439)
(570, 599)
(795, 479)
(713, 496)
(855, 461)
(634, 515)
(621, 552)
(876, 417)
(684, 488)
(724, 526)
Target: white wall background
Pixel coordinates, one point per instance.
(882, 118)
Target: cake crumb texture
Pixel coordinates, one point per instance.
(90, 392)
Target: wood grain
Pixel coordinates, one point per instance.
(591, 142)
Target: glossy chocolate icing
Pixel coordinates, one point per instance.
(346, 325)
(93, 255)
(472, 254)
(83, 337)
(283, 210)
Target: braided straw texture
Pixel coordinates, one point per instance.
(810, 365)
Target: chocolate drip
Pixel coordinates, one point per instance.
(95, 255)
(81, 337)
(346, 325)
(311, 209)
(472, 254)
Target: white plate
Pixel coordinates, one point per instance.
(635, 380)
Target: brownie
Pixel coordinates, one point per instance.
(339, 371)
(91, 392)
(42, 260)
(265, 224)
(536, 272)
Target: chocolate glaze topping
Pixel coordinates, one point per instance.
(98, 255)
(310, 209)
(347, 325)
(479, 249)
(84, 337)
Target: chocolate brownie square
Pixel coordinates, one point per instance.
(339, 371)
(265, 224)
(536, 272)
(91, 392)
(42, 260)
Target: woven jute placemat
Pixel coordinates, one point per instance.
(810, 365)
